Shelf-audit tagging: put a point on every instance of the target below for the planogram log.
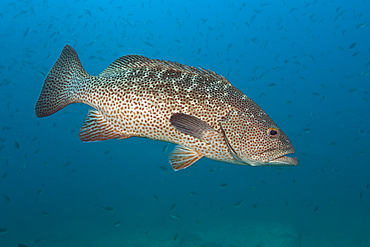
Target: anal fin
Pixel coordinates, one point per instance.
(183, 157)
(97, 128)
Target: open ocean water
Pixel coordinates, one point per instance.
(306, 63)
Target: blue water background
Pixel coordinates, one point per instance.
(306, 63)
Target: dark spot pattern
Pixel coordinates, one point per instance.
(138, 95)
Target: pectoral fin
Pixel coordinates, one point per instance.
(97, 128)
(183, 157)
(194, 126)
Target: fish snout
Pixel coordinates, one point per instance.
(278, 157)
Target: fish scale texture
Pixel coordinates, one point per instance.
(136, 96)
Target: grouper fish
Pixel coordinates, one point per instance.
(196, 109)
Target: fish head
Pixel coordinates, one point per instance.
(254, 139)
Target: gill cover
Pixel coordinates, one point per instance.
(233, 128)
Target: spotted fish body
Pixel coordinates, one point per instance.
(197, 109)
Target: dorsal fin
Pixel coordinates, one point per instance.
(122, 64)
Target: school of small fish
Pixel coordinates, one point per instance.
(192, 143)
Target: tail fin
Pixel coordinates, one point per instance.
(57, 91)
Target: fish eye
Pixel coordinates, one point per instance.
(273, 132)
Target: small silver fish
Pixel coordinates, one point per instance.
(108, 209)
(239, 203)
(195, 108)
(6, 197)
(175, 216)
(118, 223)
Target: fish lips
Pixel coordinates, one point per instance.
(282, 159)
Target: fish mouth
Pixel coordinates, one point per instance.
(283, 159)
